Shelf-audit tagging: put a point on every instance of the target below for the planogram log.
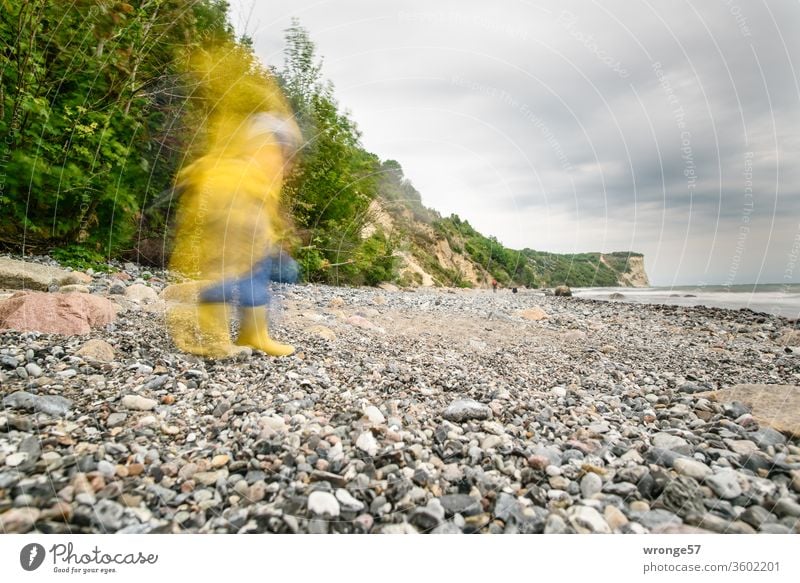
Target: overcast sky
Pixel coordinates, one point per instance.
(668, 128)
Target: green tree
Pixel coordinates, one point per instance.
(89, 110)
(334, 179)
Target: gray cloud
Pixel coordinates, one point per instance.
(570, 126)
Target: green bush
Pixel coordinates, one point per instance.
(79, 257)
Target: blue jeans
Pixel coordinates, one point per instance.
(252, 289)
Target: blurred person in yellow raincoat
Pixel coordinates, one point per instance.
(231, 226)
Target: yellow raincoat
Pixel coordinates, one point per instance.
(230, 213)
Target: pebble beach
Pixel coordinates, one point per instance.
(402, 411)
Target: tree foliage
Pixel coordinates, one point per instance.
(334, 179)
(91, 109)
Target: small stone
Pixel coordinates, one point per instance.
(538, 462)
(447, 528)
(156, 383)
(16, 459)
(366, 442)
(755, 516)
(108, 514)
(460, 504)
(767, 436)
(465, 409)
(742, 446)
(555, 524)
(663, 457)
(671, 443)
(87, 498)
(491, 442)
(585, 519)
(691, 468)
(53, 405)
(683, 496)
(591, 484)
(725, 484)
(347, 501)
(9, 362)
(130, 500)
(116, 419)
(209, 478)
(364, 522)
(34, 369)
(658, 518)
(219, 461)
(560, 392)
(117, 287)
(774, 528)
(614, 517)
(506, 506)
(60, 512)
(18, 520)
(203, 495)
(323, 504)
(106, 468)
(74, 288)
(374, 415)
(138, 403)
(273, 424)
(257, 491)
(786, 507)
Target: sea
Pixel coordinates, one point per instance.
(776, 299)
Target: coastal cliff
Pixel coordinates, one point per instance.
(634, 275)
(435, 251)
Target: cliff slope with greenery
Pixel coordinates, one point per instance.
(99, 110)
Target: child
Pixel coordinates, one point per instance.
(230, 226)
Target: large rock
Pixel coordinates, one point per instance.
(184, 293)
(535, 314)
(67, 314)
(98, 350)
(322, 332)
(51, 404)
(141, 293)
(790, 338)
(563, 290)
(33, 276)
(777, 406)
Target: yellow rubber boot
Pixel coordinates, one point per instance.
(202, 329)
(255, 333)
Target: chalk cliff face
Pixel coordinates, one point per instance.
(432, 251)
(635, 276)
